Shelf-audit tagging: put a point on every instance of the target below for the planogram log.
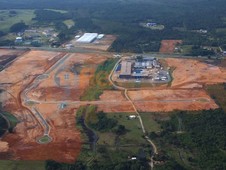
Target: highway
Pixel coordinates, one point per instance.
(86, 50)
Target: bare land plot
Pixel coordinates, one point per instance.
(168, 46)
(23, 142)
(169, 100)
(69, 80)
(190, 71)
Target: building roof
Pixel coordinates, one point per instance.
(100, 36)
(126, 68)
(87, 37)
(143, 64)
(19, 38)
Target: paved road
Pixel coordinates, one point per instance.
(44, 122)
(33, 85)
(116, 101)
(84, 50)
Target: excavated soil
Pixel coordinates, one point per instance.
(190, 71)
(169, 100)
(57, 95)
(23, 145)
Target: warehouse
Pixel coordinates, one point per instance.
(126, 69)
(87, 38)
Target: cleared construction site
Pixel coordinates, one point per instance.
(140, 69)
(45, 95)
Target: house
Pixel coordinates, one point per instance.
(132, 116)
(224, 53)
(151, 24)
(19, 40)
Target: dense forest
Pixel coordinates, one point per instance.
(122, 18)
(197, 142)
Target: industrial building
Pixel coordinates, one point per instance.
(100, 36)
(87, 38)
(142, 68)
(126, 69)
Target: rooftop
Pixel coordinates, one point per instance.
(87, 37)
(126, 68)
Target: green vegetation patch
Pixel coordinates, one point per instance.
(69, 22)
(200, 143)
(7, 122)
(218, 93)
(99, 81)
(57, 10)
(119, 139)
(11, 17)
(151, 124)
(44, 139)
(22, 165)
(11, 118)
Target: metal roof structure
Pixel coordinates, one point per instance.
(87, 38)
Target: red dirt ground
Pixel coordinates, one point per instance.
(190, 71)
(66, 143)
(169, 100)
(168, 46)
(73, 87)
(185, 93)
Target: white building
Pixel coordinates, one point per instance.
(87, 38)
(100, 36)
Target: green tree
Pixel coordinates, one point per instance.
(20, 26)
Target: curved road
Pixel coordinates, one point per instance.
(24, 98)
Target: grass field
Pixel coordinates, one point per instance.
(186, 49)
(99, 81)
(44, 139)
(218, 93)
(112, 148)
(150, 124)
(118, 148)
(7, 19)
(221, 30)
(22, 165)
(69, 23)
(57, 10)
(133, 135)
